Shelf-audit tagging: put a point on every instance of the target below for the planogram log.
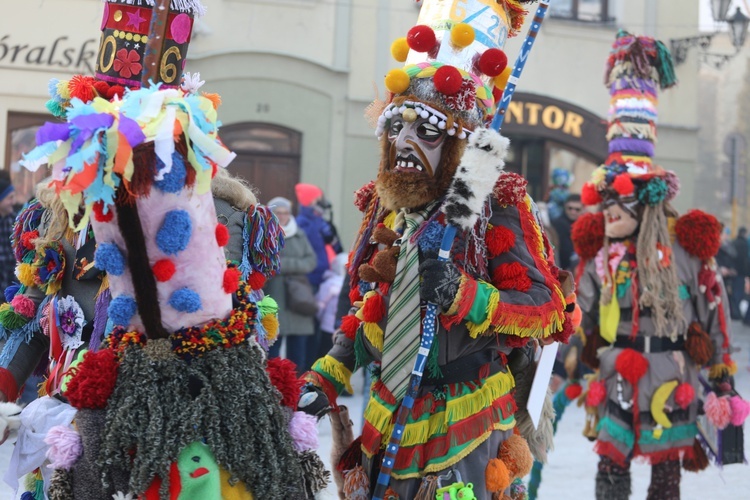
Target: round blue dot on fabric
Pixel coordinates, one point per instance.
(185, 300)
(174, 181)
(109, 258)
(121, 310)
(175, 231)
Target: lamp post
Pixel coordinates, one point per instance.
(737, 23)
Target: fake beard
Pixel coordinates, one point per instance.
(416, 189)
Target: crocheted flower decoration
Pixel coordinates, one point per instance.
(653, 192)
(71, 321)
(50, 265)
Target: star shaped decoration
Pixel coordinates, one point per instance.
(137, 46)
(134, 20)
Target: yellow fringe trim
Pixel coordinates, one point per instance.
(390, 220)
(720, 369)
(511, 326)
(337, 370)
(478, 329)
(374, 335)
(103, 286)
(494, 387)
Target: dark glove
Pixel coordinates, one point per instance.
(440, 281)
(313, 401)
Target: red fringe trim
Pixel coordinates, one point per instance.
(468, 292)
(685, 452)
(324, 384)
(609, 450)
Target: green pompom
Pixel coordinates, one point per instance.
(653, 192)
(10, 319)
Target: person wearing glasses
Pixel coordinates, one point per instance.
(565, 255)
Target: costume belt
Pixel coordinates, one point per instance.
(467, 369)
(675, 416)
(650, 344)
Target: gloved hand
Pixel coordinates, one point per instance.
(440, 282)
(313, 401)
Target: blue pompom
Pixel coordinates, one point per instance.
(185, 300)
(27, 495)
(121, 310)
(175, 231)
(109, 258)
(174, 181)
(11, 291)
(431, 237)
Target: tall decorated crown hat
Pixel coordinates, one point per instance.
(637, 68)
(455, 69)
(180, 389)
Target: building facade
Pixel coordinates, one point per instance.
(295, 77)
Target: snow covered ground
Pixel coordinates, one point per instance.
(569, 475)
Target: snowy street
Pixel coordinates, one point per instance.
(569, 475)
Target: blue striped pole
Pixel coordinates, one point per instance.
(528, 43)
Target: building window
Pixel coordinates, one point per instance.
(596, 11)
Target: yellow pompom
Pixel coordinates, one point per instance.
(271, 323)
(400, 49)
(25, 274)
(462, 35)
(501, 80)
(397, 81)
(63, 90)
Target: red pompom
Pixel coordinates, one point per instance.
(573, 391)
(447, 80)
(163, 270)
(93, 380)
(623, 184)
(374, 309)
(589, 195)
(349, 325)
(283, 375)
(499, 240)
(493, 62)
(231, 280)
(363, 195)
(632, 365)
(511, 276)
(699, 234)
(82, 87)
(568, 329)
(587, 234)
(27, 239)
(99, 214)
(101, 88)
(684, 395)
(421, 38)
(597, 393)
(256, 280)
(222, 235)
(354, 295)
(115, 90)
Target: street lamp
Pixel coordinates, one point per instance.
(719, 9)
(738, 24)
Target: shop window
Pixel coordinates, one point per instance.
(20, 139)
(597, 11)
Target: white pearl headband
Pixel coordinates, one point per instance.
(423, 111)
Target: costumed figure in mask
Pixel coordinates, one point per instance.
(651, 291)
(176, 402)
(498, 296)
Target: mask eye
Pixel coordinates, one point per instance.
(428, 132)
(395, 128)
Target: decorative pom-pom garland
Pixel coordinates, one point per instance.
(447, 80)
(740, 410)
(501, 80)
(684, 395)
(589, 195)
(222, 235)
(496, 475)
(718, 410)
(231, 280)
(93, 380)
(492, 62)
(421, 38)
(23, 306)
(516, 456)
(163, 270)
(374, 308)
(100, 215)
(632, 365)
(511, 276)
(572, 391)
(304, 431)
(109, 258)
(256, 280)
(400, 49)
(623, 184)
(121, 309)
(587, 234)
(397, 81)
(699, 234)
(174, 234)
(349, 325)
(499, 240)
(64, 446)
(597, 393)
(462, 35)
(283, 375)
(185, 300)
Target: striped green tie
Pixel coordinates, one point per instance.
(402, 332)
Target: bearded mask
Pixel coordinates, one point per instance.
(418, 161)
